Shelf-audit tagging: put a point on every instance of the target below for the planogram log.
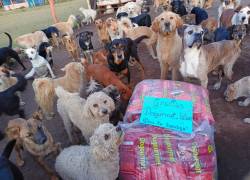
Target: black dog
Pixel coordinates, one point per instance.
(8, 52)
(120, 51)
(86, 44)
(200, 14)
(51, 30)
(45, 50)
(9, 100)
(143, 19)
(178, 7)
(8, 170)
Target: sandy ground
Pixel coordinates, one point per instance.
(231, 137)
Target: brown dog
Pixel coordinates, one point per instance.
(33, 136)
(169, 43)
(71, 47)
(102, 31)
(210, 24)
(103, 75)
(100, 57)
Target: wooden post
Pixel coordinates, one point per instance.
(52, 11)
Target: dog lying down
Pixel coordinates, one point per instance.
(100, 160)
(240, 88)
(85, 114)
(40, 66)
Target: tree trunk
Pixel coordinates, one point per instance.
(52, 11)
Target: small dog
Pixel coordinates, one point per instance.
(8, 52)
(40, 66)
(166, 25)
(197, 60)
(45, 50)
(101, 155)
(10, 101)
(86, 44)
(8, 170)
(44, 88)
(178, 7)
(200, 14)
(86, 115)
(89, 15)
(240, 88)
(34, 137)
(102, 31)
(131, 8)
(52, 34)
(71, 47)
(120, 52)
(31, 40)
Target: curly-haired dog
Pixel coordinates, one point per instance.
(85, 114)
(31, 39)
(165, 25)
(98, 161)
(34, 137)
(44, 88)
(198, 60)
(71, 47)
(102, 31)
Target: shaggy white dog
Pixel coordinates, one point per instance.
(99, 161)
(86, 115)
(132, 8)
(89, 15)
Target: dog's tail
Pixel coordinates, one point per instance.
(10, 39)
(8, 149)
(44, 93)
(139, 39)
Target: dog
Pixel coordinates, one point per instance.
(44, 88)
(198, 60)
(96, 72)
(162, 4)
(31, 40)
(238, 89)
(52, 34)
(34, 137)
(101, 155)
(178, 7)
(71, 47)
(8, 52)
(209, 25)
(114, 31)
(120, 52)
(45, 50)
(40, 66)
(66, 27)
(79, 19)
(86, 45)
(89, 15)
(100, 57)
(238, 16)
(166, 25)
(188, 19)
(226, 4)
(10, 101)
(221, 33)
(200, 14)
(86, 115)
(8, 170)
(131, 8)
(102, 31)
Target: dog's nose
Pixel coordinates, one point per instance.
(167, 24)
(243, 18)
(118, 128)
(104, 111)
(240, 36)
(119, 56)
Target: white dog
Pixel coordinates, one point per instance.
(132, 8)
(240, 88)
(99, 161)
(40, 66)
(241, 17)
(86, 115)
(89, 15)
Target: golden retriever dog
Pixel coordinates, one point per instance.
(102, 31)
(71, 47)
(169, 43)
(34, 137)
(198, 60)
(31, 39)
(66, 27)
(240, 88)
(44, 88)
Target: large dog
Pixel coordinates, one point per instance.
(45, 87)
(198, 60)
(169, 43)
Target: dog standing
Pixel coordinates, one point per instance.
(102, 31)
(86, 44)
(71, 47)
(45, 50)
(89, 15)
(178, 7)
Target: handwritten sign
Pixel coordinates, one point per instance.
(172, 114)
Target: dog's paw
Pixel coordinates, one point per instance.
(242, 103)
(20, 163)
(217, 86)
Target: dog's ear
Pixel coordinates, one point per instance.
(179, 21)
(238, 8)
(181, 30)
(13, 132)
(155, 25)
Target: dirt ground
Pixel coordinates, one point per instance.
(231, 137)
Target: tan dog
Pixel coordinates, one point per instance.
(34, 137)
(102, 31)
(71, 47)
(44, 88)
(66, 27)
(165, 4)
(31, 39)
(169, 43)
(210, 24)
(208, 4)
(114, 31)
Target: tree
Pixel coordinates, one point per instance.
(52, 11)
